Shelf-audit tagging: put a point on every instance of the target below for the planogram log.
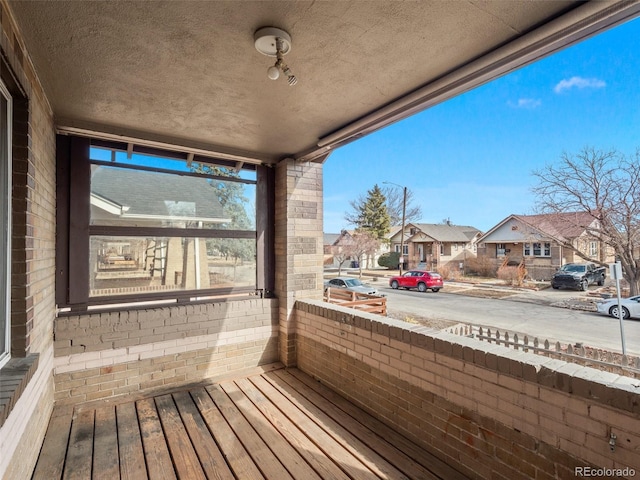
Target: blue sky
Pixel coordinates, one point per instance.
(470, 159)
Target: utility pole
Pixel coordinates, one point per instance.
(404, 210)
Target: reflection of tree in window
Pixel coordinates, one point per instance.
(231, 196)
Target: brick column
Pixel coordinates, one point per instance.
(298, 244)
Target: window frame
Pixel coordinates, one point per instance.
(543, 248)
(6, 217)
(73, 280)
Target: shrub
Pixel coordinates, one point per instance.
(482, 266)
(449, 271)
(512, 275)
(390, 260)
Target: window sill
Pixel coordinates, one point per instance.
(14, 378)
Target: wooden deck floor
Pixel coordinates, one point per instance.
(276, 425)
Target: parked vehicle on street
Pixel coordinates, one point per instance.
(630, 307)
(351, 284)
(578, 276)
(422, 280)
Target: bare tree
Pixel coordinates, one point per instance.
(363, 243)
(394, 205)
(606, 185)
(340, 255)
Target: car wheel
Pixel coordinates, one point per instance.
(435, 290)
(422, 287)
(394, 285)
(555, 287)
(613, 311)
(584, 285)
(601, 281)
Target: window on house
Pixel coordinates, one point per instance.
(5, 217)
(501, 249)
(593, 249)
(412, 231)
(405, 249)
(442, 249)
(537, 249)
(161, 227)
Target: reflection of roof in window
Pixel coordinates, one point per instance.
(156, 194)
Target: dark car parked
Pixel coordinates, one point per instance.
(579, 276)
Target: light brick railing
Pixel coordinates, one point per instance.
(103, 355)
(614, 362)
(487, 410)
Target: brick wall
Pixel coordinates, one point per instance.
(33, 256)
(489, 411)
(103, 355)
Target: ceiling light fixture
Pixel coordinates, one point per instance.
(274, 42)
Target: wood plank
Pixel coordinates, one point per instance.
(288, 456)
(331, 447)
(156, 452)
(237, 457)
(105, 444)
(323, 465)
(54, 447)
(184, 456)
(80, 451)
(132, 464)
(342, 432)
(262, 455)
(211, 459)
(377, 443)
(418, 454)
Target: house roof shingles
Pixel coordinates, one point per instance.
(448, 233)
(152, 193)
(565, 226)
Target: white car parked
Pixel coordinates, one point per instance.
(630, 307)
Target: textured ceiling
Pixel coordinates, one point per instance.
(187, 72)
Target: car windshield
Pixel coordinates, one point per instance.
(572, 268)
(353, 282)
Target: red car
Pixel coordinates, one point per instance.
(419, 279)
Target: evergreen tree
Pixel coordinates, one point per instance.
(372, 214)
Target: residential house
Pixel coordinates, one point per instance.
(431, 245)
(184, 81)
(543, 242)
(341, 255)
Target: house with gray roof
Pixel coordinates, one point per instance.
(430, 246)
(124, 197)
(543, 242)
(121, 196)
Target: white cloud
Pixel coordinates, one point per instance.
(578, 82)
(529, 103)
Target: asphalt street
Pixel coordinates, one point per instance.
(519, 314)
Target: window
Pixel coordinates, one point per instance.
(5, 217)
(160, 227)
(537, 249)
(405, 249)
(501, 249)
(593, 249)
